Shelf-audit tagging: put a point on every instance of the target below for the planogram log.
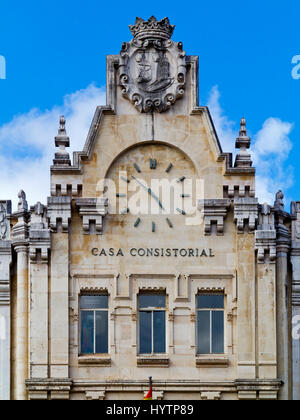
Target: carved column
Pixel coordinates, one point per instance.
(39, 238)
(20, 243)
(59, 214)
(295, 260)
(5, 261)
(283, 300)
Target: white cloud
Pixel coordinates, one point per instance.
(27, 143)
(224, 127)
(270, 150)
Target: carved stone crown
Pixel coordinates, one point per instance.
(152, 29)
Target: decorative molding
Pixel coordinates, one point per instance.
(211, 361)
(265, 235)
(92, 211)
(171, 316)
(53, 389)
(214, 211)
(39, 234)
(94, 360)
(193, 317)
(152, 289)
(59, 213)
(239, 188)
(230, 317)
(95, 395)
(245, 210)
(211, 289)
(66, 188)
(152, 68)
(253, 389)
(210, 396)
(152, 361)
(96, 289)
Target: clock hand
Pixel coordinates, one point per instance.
(149, 192)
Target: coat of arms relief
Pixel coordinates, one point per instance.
(152, 67)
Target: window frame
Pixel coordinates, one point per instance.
(94, 325)
(151, 309)
(211, 310)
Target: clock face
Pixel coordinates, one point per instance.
(152, 187)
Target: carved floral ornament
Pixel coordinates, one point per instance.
(152, 68)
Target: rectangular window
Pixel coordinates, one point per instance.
(152, 324)
(210, 324)
(94, 324)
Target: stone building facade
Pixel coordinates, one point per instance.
(97, 293)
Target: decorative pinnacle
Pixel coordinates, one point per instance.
(243, 142)
(279, 204)
(243, 129)
(62, 141)
(22, 204)
(62, 126)
(152, 29)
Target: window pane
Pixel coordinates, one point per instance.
(145, 332)
(159, 325)
(211, 301)
(218, 332)
(87, 332)
(94, 302)
(203, 332)
(102, 332)
(152, 301)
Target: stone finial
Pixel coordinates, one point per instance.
(22, 204)
(279, 204)
(62, 157)
(243, 142)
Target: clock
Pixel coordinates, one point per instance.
(152, 187)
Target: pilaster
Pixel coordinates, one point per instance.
(59, 214)
(246, 316)
(5, 262)
(265, 244)
(284, 321)
(39, 243)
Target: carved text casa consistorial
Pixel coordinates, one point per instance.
(152, 67)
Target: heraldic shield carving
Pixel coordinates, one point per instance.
(152, 67)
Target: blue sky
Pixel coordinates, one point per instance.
(55, 54)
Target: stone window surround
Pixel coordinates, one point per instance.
(226, 284)
(93, 358)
